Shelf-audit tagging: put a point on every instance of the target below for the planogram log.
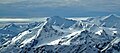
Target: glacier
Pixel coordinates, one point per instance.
(63, 35)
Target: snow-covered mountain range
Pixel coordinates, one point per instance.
(63, 35)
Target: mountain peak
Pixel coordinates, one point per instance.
(59, 21)
(54, 18)
(112, 16)
(58, 33)
(10, 25)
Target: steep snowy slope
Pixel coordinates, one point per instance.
(61, 35)
(93, 39)
(49, 31)
(111, 21)
(11, 30)
(81, 42)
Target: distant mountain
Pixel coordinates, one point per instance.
(61, 35)
(11, 30)
(111, 21)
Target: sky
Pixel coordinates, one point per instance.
(41, 8)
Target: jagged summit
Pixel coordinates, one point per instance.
(112, 16)
(62, 35)
(10, 25)
(111, 20)
(54, 19)
(59, 21)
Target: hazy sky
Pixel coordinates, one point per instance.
(30, 8)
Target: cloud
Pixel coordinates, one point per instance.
(29, 7)
(10, 1)
(103, 5)
(90, 4)
(14, 19)
(43, 3)
(59, 3)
